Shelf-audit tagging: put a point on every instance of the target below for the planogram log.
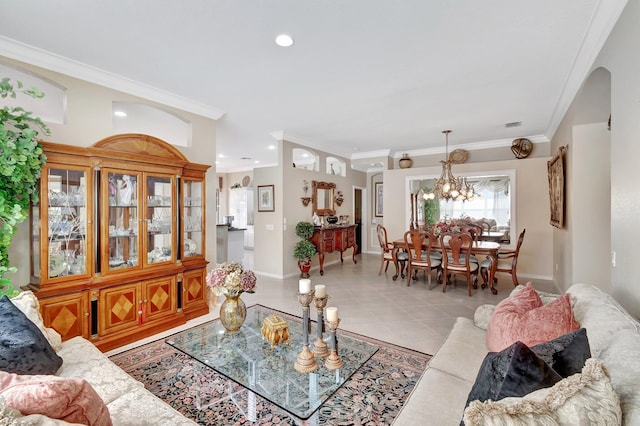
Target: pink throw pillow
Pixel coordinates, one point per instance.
(523, 317)
(69, 399)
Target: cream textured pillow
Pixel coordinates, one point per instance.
(28, 303)
(586, 398)
(482, 316)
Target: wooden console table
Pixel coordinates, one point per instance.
(334, 238)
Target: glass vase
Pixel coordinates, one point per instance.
(233, 312)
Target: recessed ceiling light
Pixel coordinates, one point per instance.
(272, 147)
(119, 113)
(256, 162)
(284, 40)
(220, 155)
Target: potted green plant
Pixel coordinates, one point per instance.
(21, 160)
(304, 249)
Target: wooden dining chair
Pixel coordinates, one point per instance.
(418, 248)
(387, 252)
(475, 231)
(458, 249)
(507, 262)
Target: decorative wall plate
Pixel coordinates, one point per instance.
(459, 156)
(246, 181)
(521, 147)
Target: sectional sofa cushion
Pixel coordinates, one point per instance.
(23, 347)
(69, 399)
(586, 398)
(512, 319)
(623, 364)
(601, 314)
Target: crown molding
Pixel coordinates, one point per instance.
(603, 20)
(371, 154)
(497, 143)
(31, 55)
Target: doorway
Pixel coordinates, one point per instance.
(358, 218)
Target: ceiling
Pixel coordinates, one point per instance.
(364, 78)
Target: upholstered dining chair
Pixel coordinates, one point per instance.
(507, 262)
(418, 248)
(387, 252)
(458, 249)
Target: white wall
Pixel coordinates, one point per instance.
(590, 204)
(621, 57)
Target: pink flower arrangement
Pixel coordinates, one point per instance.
(231, 279)
(445, 225)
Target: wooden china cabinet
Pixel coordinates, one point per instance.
(118, 239)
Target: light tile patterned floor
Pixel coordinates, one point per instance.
(414, 317)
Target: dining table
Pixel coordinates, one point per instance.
(479, 248)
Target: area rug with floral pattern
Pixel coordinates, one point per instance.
(374, 394)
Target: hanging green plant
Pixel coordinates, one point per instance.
(21, 160)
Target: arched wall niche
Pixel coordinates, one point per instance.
(305, 159)
(131, 117)
(51, 109)
(336, 167)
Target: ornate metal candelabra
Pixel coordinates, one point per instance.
(305, 362)
(320, 348)
(333, 361)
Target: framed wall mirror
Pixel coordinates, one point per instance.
(322, 198)
(495, 206)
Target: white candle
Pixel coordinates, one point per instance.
(321, 290)
(304, 286)
(332, 314)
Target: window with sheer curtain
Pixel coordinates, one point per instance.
(493, 201)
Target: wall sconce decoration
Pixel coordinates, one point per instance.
(339, 198)
(305, 200)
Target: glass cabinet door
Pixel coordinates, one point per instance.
(160, 239)
(122, 228)
(192, 217)
(66, 219)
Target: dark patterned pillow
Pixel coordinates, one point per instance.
(565, 354)
(515, 371)
(23, 347)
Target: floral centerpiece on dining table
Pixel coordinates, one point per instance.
(231, 280)
(446, 224)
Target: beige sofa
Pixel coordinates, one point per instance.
(128, 402)
(441, 394)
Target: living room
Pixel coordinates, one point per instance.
(600, 175)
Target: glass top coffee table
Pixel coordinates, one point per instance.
(250, 361)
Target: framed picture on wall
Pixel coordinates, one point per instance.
(379, 212)
(555, 171)
(265, 198)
